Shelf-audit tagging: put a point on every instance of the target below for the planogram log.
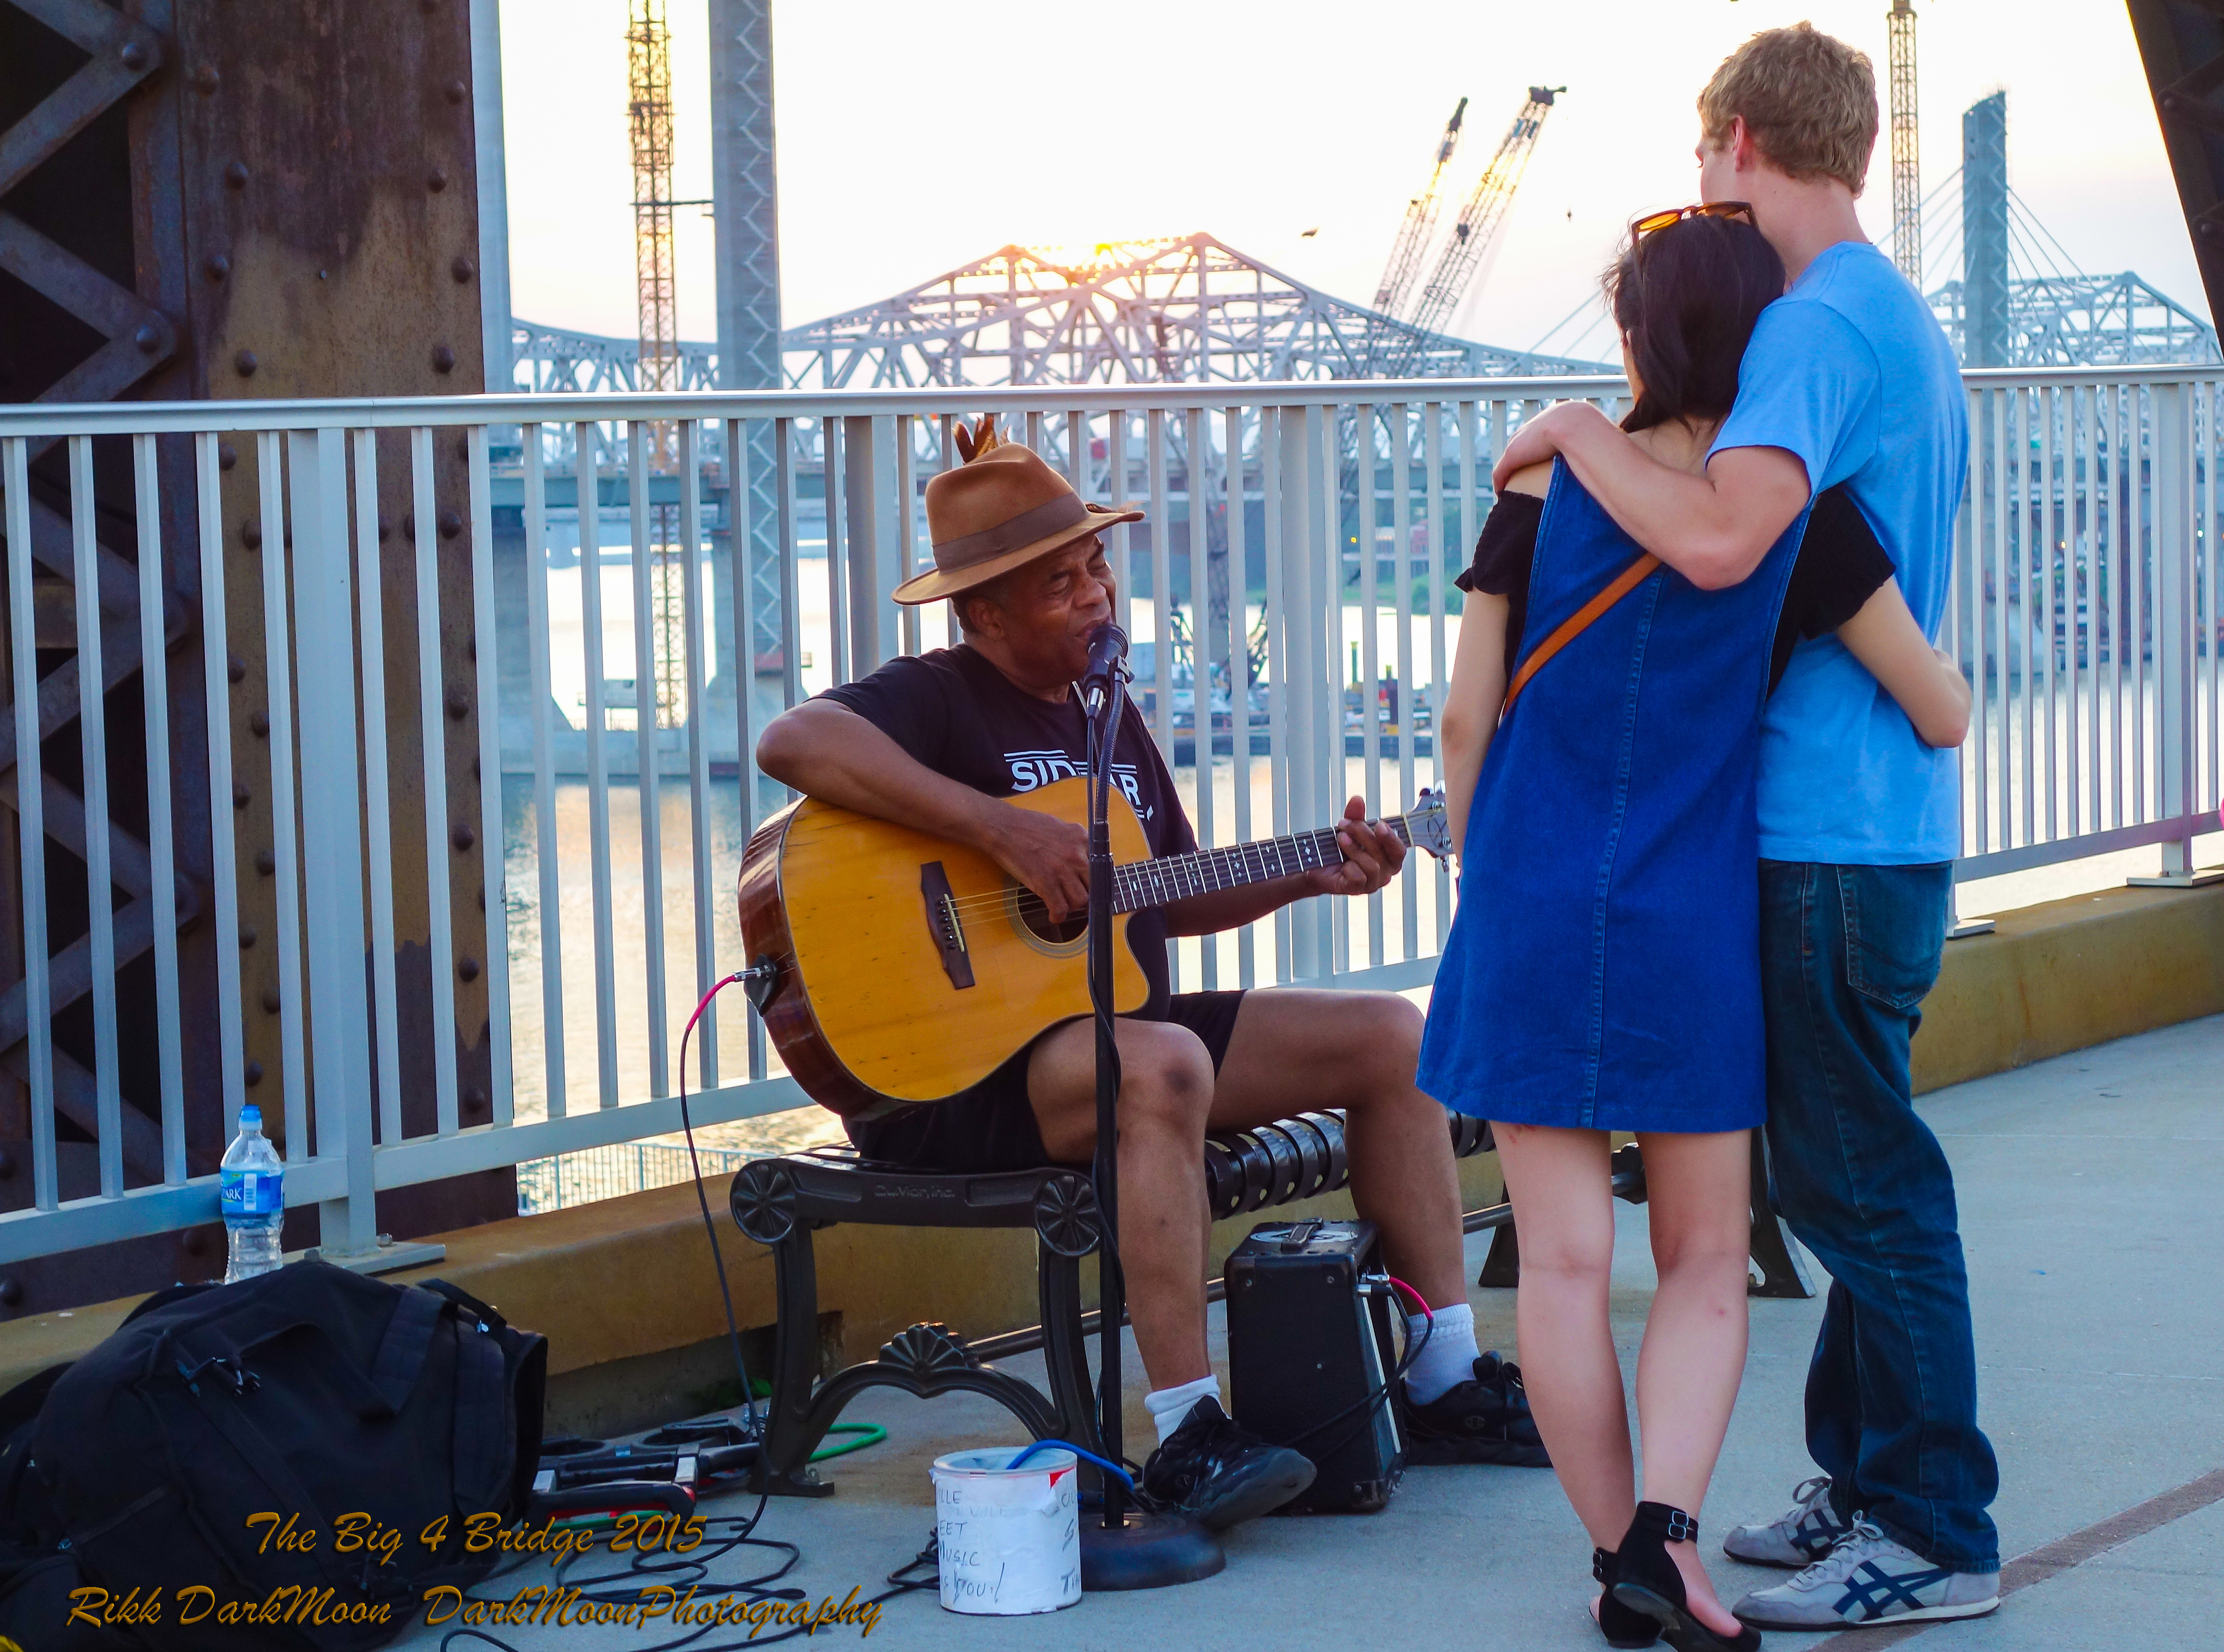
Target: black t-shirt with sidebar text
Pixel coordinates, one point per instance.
(952, 711)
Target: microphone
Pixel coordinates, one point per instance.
(1108, 654)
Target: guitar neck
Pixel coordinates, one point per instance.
(1176, 877)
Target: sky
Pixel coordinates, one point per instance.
(915, 137)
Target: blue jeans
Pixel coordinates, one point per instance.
(1848, 953)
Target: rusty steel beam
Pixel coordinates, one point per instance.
(233, 200)
(2182, 46)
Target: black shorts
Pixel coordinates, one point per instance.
(992, 1126)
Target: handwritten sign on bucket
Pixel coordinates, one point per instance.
(1010, 1539)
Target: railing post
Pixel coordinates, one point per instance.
(1298, 665)
(860, 468)
(331, 821)
(2173, 632)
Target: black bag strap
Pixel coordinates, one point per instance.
(488, 1314)
(484, 1436)
(408, 1338)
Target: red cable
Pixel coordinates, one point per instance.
(1419, 1301)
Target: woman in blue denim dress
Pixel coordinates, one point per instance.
(1602, 971)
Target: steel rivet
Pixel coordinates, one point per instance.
(205, 79)
(246, 936)
(240, 797)
(456, 92)
(250, 533)
(468, 968)
(134, 55)
(265, 862)
(236, 668)
(7, 1164)
(149, 338)
(463, 836)
(385, 529)
(216, 266)
(234, 175)
(252, 1075)
(409, 527)
(475, 1100)
(450, 524)
(226, 456)
(260, 723)
(444, 359)
(270, 999)
(463, 269)
(459, 707)
(246, 363)
(194, 1242)
(11, 1291)
(436, 181)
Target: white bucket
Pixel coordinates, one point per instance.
(1009, 1539)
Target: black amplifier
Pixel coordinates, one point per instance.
(1311, 1346)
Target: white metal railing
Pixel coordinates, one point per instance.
(2085, 611)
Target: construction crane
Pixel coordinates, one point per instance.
(1906, 155)
(648, 52)
(1478, 223)
(1418, 227)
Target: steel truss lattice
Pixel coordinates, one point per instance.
(2079, 320)
(1190, 311)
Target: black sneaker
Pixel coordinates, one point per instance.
(1218, 1473)
(1483, 1420)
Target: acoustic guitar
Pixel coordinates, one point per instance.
(892, 967)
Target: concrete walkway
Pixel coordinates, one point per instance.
(2093, 1218)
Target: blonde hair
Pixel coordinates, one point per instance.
(1809, 101)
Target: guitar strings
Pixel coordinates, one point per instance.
(1032, 905)
(964, 904)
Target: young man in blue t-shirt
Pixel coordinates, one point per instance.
(1849, 378)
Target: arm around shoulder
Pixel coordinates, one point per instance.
(1714, 529)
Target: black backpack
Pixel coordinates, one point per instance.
(37, 1572)
(294, 1400)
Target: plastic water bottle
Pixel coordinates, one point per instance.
(252, 1193)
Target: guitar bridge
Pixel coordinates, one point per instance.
(943, 926)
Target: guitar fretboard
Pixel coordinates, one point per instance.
(1176, 877)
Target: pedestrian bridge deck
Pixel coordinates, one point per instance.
(2090, 1219)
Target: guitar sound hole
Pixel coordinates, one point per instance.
(1036, 916)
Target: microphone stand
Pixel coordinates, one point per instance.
(1129, 1548)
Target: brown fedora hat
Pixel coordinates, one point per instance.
(1000, 510)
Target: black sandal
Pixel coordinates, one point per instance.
(1624, 1629)
(1648, 1582)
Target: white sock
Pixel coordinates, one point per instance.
(1449, 1356)
(1170, 1407)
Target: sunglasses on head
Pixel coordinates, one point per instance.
(1653, 222)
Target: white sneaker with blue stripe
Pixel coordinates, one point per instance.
(1799, 1537)
(1868, 1580)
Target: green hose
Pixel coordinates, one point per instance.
(869, 1433)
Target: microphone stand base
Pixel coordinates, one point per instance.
(1145, 1551)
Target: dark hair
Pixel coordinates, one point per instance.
(1687, 298)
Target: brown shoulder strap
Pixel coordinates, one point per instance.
(1574, 626)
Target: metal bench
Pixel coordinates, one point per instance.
(779, 1201)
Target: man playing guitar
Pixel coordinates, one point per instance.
(935, 742)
